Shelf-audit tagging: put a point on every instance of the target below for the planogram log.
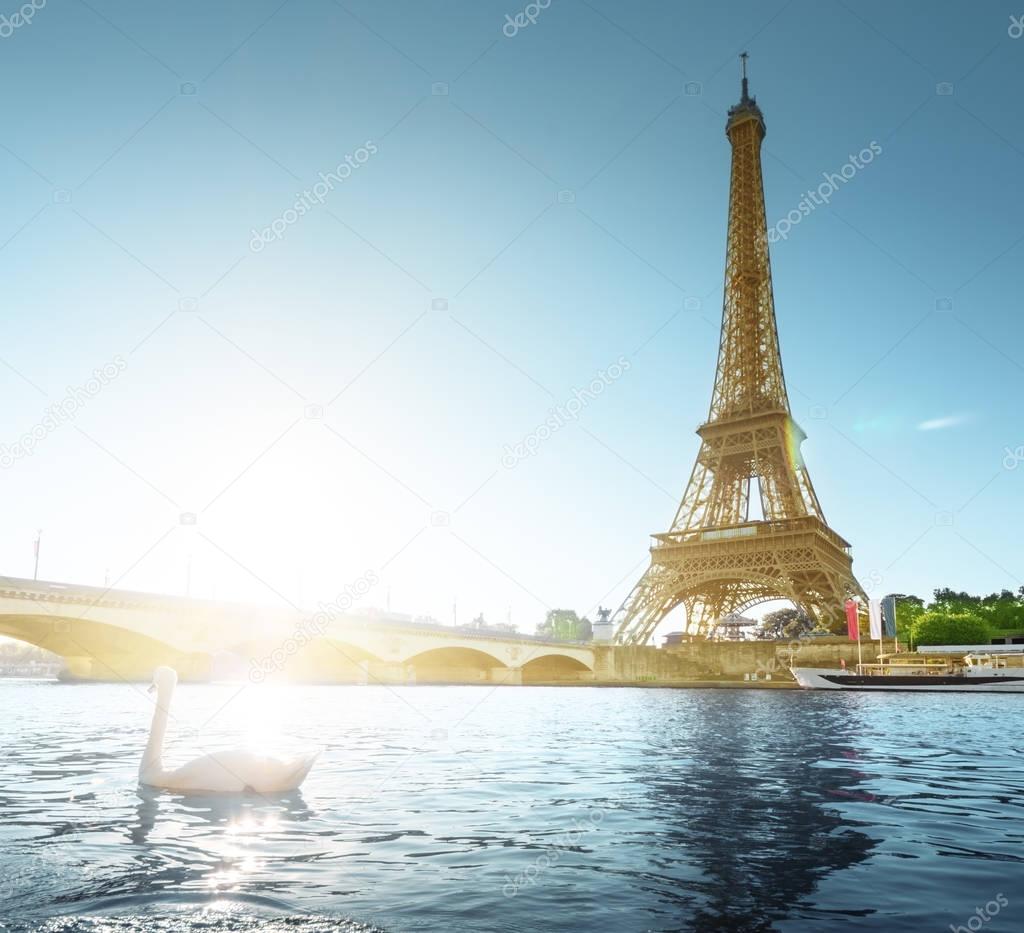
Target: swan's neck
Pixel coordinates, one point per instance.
(152, 758)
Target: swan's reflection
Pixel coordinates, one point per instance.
(227, 810)
(206, 843)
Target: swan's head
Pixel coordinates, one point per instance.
(164, 679)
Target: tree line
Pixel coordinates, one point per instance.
(951, 617)
(958, 618)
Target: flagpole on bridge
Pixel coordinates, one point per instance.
(39, 538)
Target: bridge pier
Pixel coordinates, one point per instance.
(510, 676)
(390, 672)
(77, 668)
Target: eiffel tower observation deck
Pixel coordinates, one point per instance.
(749, 528)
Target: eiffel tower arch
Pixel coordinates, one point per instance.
(716, 558)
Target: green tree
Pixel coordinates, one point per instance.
(785, 623)
(1003, 611)
(908, 610)
(938, 627)
(565, 625)
(955, 601)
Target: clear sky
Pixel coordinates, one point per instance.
(522, 206)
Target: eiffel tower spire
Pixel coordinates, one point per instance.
(749, 340)
(749, 527)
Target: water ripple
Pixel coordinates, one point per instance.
(543, 809)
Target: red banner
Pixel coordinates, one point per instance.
(852, 624)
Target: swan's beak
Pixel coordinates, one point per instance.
(151, 688)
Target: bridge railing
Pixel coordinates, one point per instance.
(491, 634)
(48, 591)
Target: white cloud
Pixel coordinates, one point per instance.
(937, 424)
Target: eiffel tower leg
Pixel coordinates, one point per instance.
(648, 603)
(700, 617)
(830, 611)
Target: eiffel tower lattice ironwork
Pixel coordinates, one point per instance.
(716, 560)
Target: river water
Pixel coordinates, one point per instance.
(534, 809)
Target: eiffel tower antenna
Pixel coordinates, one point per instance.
(720, 556)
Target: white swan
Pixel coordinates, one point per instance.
(231, 771)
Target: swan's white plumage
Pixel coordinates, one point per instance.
(229, 771)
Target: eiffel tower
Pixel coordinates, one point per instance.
(717, 559)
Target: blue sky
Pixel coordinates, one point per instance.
(536, 207)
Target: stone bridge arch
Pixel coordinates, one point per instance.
(100, 651)
(556, 668)
(306, 657)
(455, 664)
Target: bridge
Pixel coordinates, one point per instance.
(106, 634)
